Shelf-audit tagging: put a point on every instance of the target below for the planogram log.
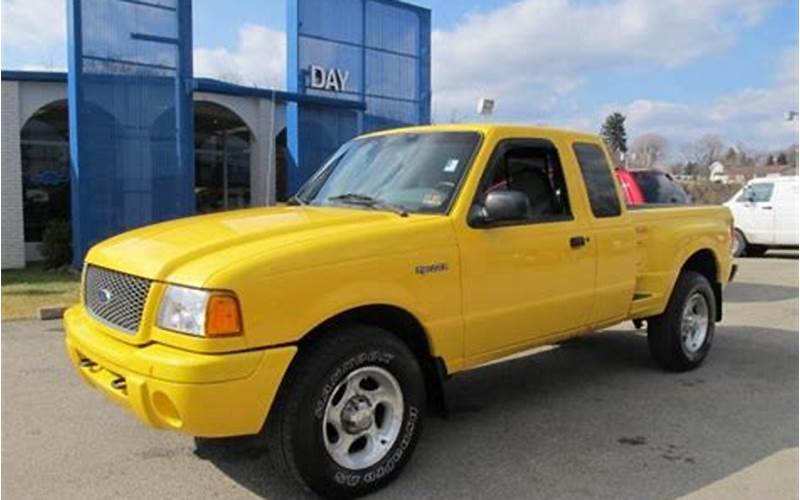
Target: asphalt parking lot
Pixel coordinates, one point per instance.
(590, 419)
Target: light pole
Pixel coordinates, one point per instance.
(790, 117)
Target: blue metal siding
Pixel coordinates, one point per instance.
(338, 20)
(130, 106)
(393, 27)
(385, 47)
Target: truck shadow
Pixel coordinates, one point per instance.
(592, 418)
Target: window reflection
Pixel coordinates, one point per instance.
(222, 164)
(222, 159)
(44, 143)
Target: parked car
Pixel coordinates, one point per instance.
(630, 189)
(651, 187)
(325, 326)
(765, 215)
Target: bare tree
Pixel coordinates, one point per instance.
(746, 154)
(231, 77)
(648, 151)
(702, 153)
(456, 116)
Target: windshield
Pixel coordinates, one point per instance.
(412, 172)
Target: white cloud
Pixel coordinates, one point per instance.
(530, 53)
(752, 116)
(55, 66)
(35, 22)
(259, 59)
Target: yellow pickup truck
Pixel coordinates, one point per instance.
(328, 325)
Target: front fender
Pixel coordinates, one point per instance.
(281, 309)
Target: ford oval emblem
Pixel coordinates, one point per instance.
(103, 296)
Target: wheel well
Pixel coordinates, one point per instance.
(704, 262)
(404, 326)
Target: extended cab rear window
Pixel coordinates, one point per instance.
(597, 176)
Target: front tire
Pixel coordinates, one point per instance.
(350, 412)
(680, 337)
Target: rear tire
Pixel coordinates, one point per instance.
(739, 246)
(680, 337)
(349, 413)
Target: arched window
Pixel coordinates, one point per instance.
(44, 142)
(222, 158)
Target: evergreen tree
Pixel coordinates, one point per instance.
(613, 132)
(782, 159)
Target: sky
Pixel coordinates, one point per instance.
(678, 68)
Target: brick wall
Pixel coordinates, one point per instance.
(13, 237)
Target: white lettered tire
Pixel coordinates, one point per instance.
(350, 412)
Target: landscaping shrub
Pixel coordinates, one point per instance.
(56, 246)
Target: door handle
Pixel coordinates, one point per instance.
(766, 208)
(578, 241)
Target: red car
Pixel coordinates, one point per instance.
(652, 187)
(633, 195)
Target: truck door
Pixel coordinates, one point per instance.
(530, 278)
(612, 233)
(754, 212)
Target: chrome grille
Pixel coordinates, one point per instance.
(114, 298)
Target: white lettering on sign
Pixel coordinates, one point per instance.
(328, 79)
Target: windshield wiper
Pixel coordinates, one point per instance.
(369, 201)
(296, 200)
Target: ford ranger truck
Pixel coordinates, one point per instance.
(325, 326)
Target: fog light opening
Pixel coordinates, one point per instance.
(166, 410)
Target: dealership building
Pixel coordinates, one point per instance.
(129, 137)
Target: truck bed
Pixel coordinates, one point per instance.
(666, 236)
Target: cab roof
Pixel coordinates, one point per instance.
(490, 129)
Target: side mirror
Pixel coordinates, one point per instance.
(501, 206)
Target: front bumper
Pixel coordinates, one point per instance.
(209, 395)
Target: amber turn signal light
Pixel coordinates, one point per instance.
(223, 316)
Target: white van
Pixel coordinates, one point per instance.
(765, 215)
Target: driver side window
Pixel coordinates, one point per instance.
(532, 168)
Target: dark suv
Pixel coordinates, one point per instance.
(660, 188)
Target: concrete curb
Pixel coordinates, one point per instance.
(46, 313)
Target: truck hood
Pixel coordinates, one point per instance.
(157, 251)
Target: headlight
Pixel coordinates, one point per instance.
(199, 312)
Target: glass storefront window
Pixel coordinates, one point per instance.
(222, 164)
(44, 144)
(222, 159)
